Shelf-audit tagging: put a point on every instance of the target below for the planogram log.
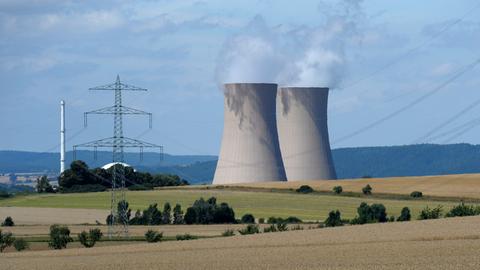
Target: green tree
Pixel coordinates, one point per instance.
(6, 240)
(248, 218)
(167, 214)
(416, 194)
(59, 237)
(405, 215)
(124, 212)
(367, 190)
(334, 219)
(43, 185)
(89, 239)
(178, 214)
(304, 189)
(337, 189)
(8, 222)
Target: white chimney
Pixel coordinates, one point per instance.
(62, 136)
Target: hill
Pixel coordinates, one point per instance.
(384, 161)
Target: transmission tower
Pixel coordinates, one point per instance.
(118, 222)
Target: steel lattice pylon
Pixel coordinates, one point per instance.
(118, 224)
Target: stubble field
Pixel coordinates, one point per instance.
(452, 243)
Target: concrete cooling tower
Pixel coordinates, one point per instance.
(250, 150)
(303, 133)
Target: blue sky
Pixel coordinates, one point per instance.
(52, 50)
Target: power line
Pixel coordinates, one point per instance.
(448, 121)
(412, 50)
(411, 104)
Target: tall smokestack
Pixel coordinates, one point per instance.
(62, 136)
(303, 133)
(250, 150)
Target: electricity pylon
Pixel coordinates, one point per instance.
(118, 222)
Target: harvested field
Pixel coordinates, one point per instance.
(32, 215)
(261, 204)
(435, 244)
(454, 186)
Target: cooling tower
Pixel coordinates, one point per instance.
(250, 151)
(303, 133)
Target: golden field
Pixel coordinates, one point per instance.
(452, 243)
(454, 186)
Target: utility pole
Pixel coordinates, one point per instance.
(118, 222)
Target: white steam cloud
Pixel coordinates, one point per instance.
(293, 56)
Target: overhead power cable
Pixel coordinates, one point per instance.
(412, 50)
(435, 90)
(447, 122)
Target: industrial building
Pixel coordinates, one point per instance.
(274, 134)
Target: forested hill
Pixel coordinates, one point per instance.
(409, 160)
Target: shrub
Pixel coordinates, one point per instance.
(391, 219)
(8, 222)
(367, 190)
(304, 189)
(261, 220)
(405, 215)
(183, 237)
(153, 236)
(428, 213)
(59, 237)
(334, 219)
(463, 210)
(297, 228)
(228, 232)
(20, 244)
(416, 194)
(89, 239)
(281, 227)
(250, 229)
(270, 228)
(248, 218)
(337, 189)
(6, 240)
(291, 220)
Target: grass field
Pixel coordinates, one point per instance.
(454, 186)
(452, 243)
(261, 204)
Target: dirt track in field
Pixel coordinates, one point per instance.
(437, 244)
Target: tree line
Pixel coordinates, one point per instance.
(80, 178)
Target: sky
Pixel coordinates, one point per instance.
(398, 70)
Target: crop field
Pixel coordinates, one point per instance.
(454, 186)
(452, 243)
(309, 207)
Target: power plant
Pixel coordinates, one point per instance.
(274, 135)
(303, 133)
(250, 150)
